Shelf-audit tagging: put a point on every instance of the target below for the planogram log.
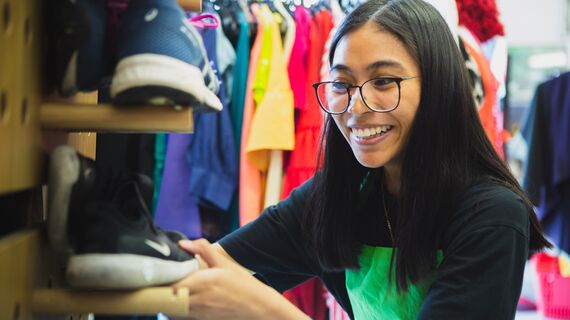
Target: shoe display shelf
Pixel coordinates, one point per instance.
(31, 123)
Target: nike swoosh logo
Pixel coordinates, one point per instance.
(160, 247)
(150, 15)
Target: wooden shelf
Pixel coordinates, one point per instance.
(191, 5)
(108, 118)
(137, 302)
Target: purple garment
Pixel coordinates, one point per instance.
(177, 208)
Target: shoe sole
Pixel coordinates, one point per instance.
(63, 174)
(69, 81)
(161, 80)
(125, 271)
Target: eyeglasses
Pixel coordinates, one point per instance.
(378, 94)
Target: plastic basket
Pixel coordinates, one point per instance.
(553, 291)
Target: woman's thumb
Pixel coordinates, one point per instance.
(207, 252)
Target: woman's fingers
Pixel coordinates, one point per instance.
(207, 252)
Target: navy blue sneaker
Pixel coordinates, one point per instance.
(100, 219)
(78, 32)
(162, 59)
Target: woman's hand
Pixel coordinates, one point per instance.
(225, 290)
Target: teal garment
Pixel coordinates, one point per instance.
(238, 100)
(159, 157)
(370, 295)
(240, 78)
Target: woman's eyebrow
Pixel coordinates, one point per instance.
(371, 67)
(383, 64)
(341, 67)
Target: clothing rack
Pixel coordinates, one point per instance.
(33, 121)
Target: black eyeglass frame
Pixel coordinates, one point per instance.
(397, 80)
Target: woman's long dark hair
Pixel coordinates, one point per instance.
(447, 151)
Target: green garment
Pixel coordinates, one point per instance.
(370, 296)
(263, 67)
(159, 158)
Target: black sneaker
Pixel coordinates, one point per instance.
(101, 219)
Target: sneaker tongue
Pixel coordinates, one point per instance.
(128, 199)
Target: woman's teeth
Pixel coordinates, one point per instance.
(370, 132)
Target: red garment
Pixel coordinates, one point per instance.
(309, 296)
(481, 17)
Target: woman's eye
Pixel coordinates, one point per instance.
(339, 86)
(383, 82)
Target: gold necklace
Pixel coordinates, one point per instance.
(386, 215)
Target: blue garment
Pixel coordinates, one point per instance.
(547, 172)
(212, 153)
(226, 60)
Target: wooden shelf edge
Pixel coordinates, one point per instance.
(191, 5)
(137, 302)
(109, 118)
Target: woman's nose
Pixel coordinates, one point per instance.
(356, 104)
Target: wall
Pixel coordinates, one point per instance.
(533, 23)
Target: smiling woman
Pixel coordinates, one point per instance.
(412, 214)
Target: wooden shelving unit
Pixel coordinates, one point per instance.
(109, 118)
(140, 302)
(31, 125)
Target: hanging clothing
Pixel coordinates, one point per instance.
(159, 158)
(212, 152)
(176, 208)
(303, 160)
(272, 126)
(310, 296)
(226, 60)
(240, 79)
(491, 119)
(547, 171)
(474, 76)
(481, 17)
(238, 101)
(200, 168)
(263, 68)
(250, 177)
(297, 67)
(275, 170)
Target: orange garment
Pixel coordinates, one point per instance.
(488, 109)
(250, 179)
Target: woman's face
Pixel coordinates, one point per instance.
(376, 139)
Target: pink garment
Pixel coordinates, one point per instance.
(297, 68)
(250, 177)
(336, 312)
(303, 160)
